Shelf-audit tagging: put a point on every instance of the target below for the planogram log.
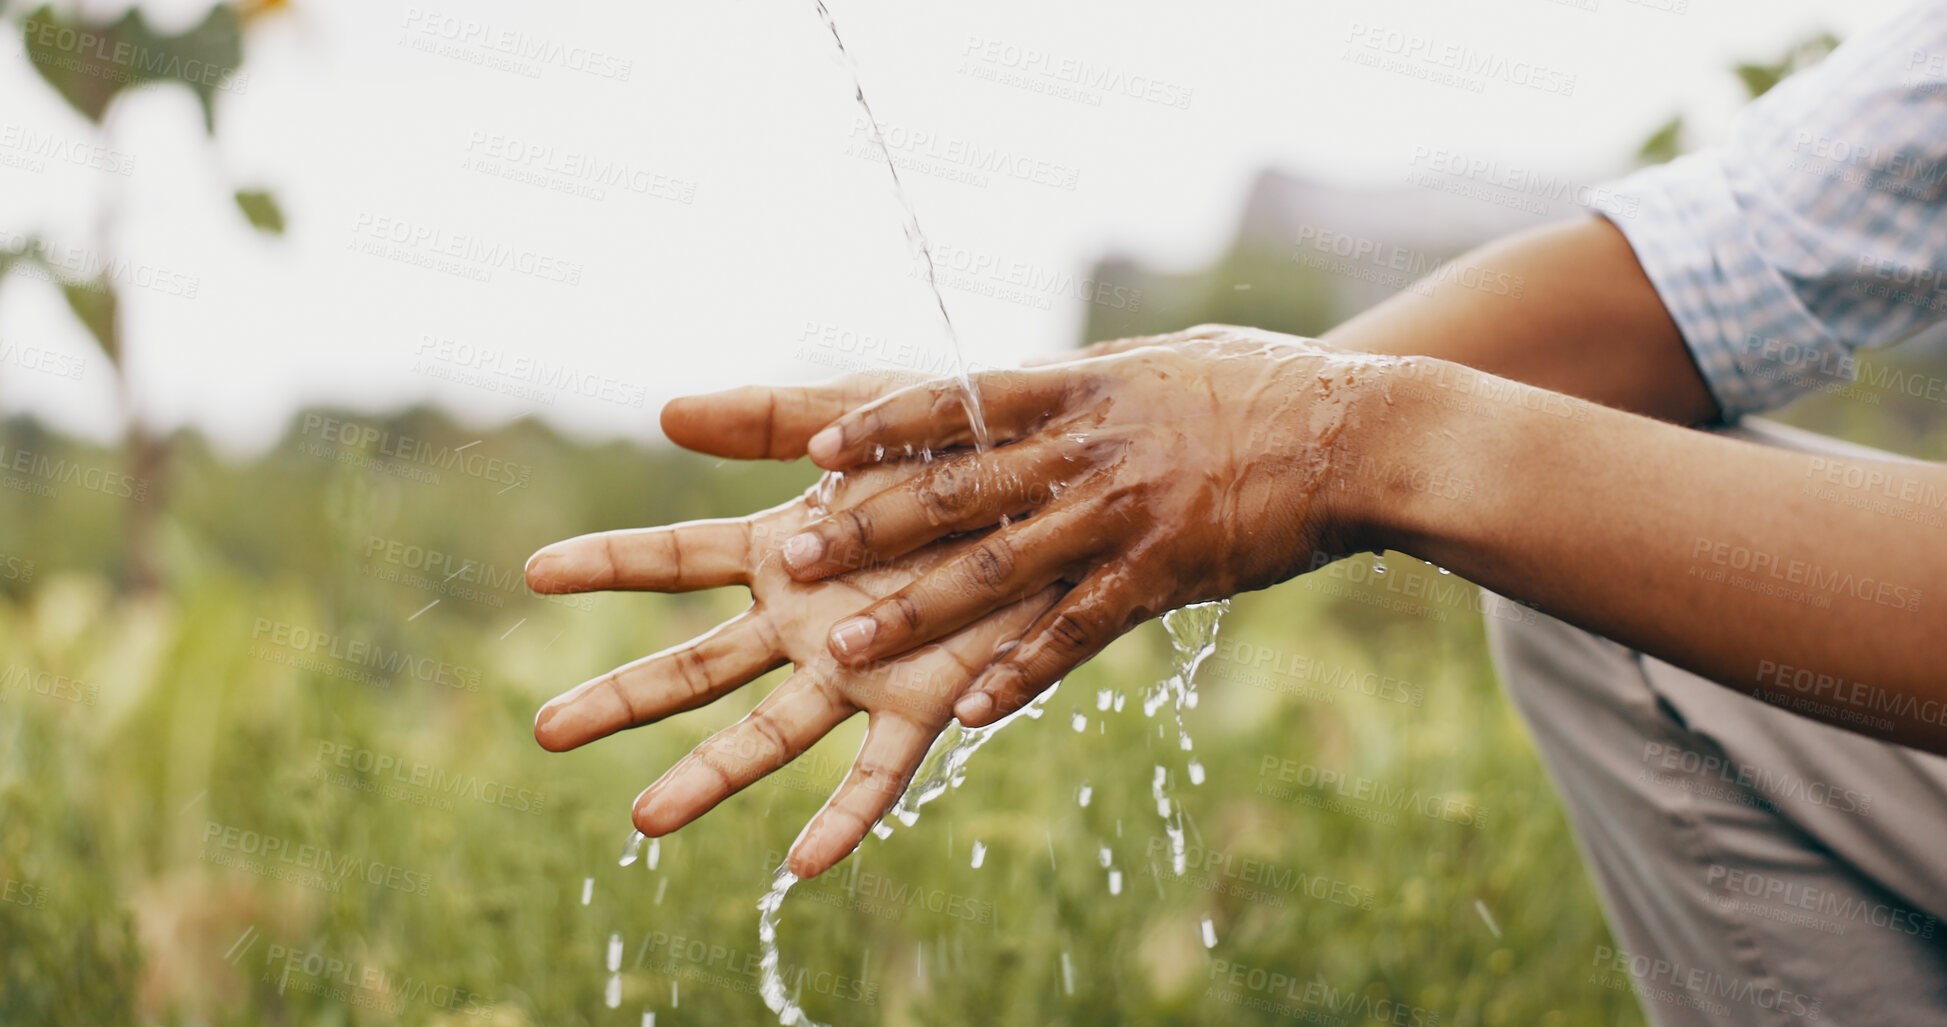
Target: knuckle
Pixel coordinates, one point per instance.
(693, 671)
(725, 773)
(613, 681)
(907, 611)
(989, 566)
(871, 425)
(850, 551)
(769, 747)
(1071, 631)
(941, 495)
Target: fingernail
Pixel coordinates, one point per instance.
(824, 446)
(853, 634)
(973, 706)
(802, 550)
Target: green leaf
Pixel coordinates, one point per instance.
(95, 304)
(262, 210)
(91, 62)
(1663, 144)
(1759, 78)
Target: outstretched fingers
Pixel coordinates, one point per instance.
(893, 749)
(677, 558)
(769, 422)
(679, 678)
(1006, 565)
(953, 495)
(786, 723)
(1092, 614)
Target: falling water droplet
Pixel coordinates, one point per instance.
(1196, 772)
(1067, 974)
(614, 997)
(655, 852)
(675, 996)
(1378, 569)
(1103, 698)
(615, 951)
(1104, 856)
(1209, 934)
(1083, 794)
(661, 886)
(587, 890)
(979, 854)
(1080, 722)
(632, 847)
(648, 1018)
(882, 829)
(1115, 882)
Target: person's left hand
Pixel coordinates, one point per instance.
(909, 698)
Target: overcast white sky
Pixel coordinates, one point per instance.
(743, 213)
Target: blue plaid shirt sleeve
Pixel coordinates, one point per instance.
(1819, 227)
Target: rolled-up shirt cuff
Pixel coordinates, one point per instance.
(1756, 345)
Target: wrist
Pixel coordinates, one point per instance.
(1405, 472)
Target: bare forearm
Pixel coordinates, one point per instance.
(1759, 568)
(1580, 318)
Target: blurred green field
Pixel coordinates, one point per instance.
(208, 818)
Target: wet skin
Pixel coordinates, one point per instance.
(908, 698)
(1140, 476)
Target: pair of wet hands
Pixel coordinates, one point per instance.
(1126, 480)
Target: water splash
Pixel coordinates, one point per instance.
(771, 977)
(922, 251)
(1193, 635)
(822, 493)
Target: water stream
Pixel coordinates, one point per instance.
(921, 250)
(1192, 631)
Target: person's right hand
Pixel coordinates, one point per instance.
(1143, 476)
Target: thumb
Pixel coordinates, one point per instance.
(763, 422)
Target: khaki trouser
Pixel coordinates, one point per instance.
(1756, 867)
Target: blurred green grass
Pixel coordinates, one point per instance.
(145, 741)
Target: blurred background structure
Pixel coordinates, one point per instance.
(315, 322)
